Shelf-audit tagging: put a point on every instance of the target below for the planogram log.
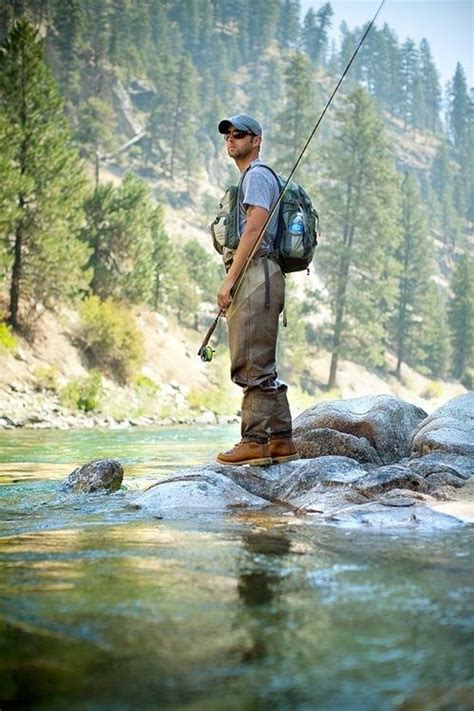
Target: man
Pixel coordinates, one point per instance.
(253, 315)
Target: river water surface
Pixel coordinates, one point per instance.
(102, 607)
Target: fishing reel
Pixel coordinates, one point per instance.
(206, 353)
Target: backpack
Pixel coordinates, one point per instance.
(298, 225)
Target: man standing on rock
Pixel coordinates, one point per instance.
(253, 315)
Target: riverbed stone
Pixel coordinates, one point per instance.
(327, 472)
(450, 428)
(385, 422)
(201, 491)
(439, 462)
(376, 515)
(326, 441)
(392, 476)
(98, 475)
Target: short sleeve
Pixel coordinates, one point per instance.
(258, 188)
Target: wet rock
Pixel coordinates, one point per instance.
(329, 472)
(99, 475)
(393, 476)
(196, 492)
(325, 441)
(450, 428)
(385, 422)
(379, 516)
(402, 497)
(444, 478)
(439, 462)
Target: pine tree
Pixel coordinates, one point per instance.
(360, 208)
(431, 88)
(288, 29)
(68, 22)
(314, 33)
(119, 230)
(174, 117)
(96, 131)
(416, 258)
(459, 107)
(47, 258)
(410, 84)
(296, 119)
(434, 352)
(461, 316)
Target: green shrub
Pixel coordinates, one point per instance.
(46, 378)
(144, 384)
(433, 391)
(7, 339)
(111, 337)
(83, 393)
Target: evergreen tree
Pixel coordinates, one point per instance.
(459, 108)
(96, 131)
(461, 316)
(120, 226)
(288, 29)
(296, 119)
(68, 19)
(410, 84)
(314, 33)
(434, 353)
(174, 118)
(47, 258)
(431, 88)
(360, 208)
(416, 259)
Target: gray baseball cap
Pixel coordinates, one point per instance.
(241, 123)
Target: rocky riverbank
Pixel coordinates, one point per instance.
(376, 461)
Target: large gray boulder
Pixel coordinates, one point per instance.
(196, 491)
(387, 516)
(450, 428)
(374, 429)
(98, 475)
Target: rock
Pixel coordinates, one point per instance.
(305, 474)
(196, 491)
(444, 478)
(99, 475)
(325, 441)
(439, 462)
(392, 476)
(385, 422)
(402, 497)
(450, 428)
(379, 516)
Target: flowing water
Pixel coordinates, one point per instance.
(102, 607)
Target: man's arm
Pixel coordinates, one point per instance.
(256, 217)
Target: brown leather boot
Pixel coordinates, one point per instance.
(245, 452)
(283, 450)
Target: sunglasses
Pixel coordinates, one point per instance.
(237, 135)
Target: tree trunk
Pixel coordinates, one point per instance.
(13, 317)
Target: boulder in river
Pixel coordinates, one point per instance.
(379, 428)
(201, 490)
(450, 428)
(98, 475)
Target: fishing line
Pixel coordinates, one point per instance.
(205, 352)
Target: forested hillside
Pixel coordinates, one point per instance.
(93, 88)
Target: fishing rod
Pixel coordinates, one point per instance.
(206, 352)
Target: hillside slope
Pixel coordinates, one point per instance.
(173, 384)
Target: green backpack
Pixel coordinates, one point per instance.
(298, 225)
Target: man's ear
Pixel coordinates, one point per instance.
(257, 141)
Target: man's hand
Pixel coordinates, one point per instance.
(224, 297)
(256, 217)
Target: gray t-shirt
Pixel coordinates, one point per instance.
(260, 188)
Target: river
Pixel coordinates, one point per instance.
(102, 607)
